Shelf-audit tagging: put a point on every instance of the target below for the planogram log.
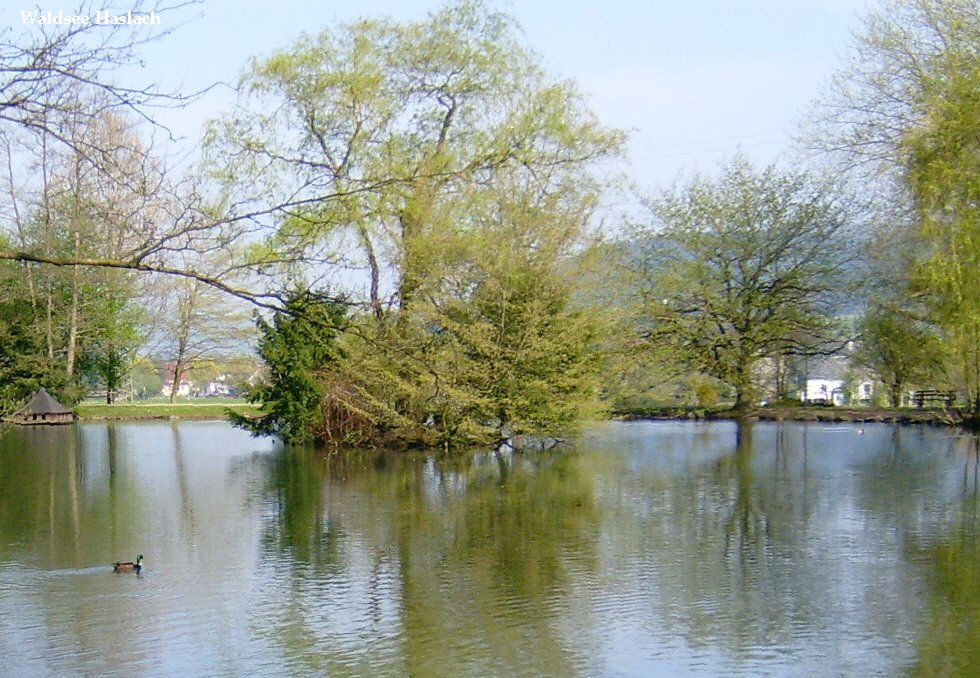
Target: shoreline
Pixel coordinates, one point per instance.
(203, 410)
(930, 416)
(934, 417)
(151, 417)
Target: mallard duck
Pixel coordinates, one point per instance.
(129, 566)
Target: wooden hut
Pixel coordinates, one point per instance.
(43, 409)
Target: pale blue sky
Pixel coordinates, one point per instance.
(692, 79)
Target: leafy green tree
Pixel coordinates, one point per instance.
(508, 353)
(945, 179)
(384, 135)
(24, 363)
(23, 368)
(897, 348)
(740, 268)
(520, 352)
(904, 106)
(110, 355)
(884, 87)
(297, 347)
(146, 378)
(428, 146)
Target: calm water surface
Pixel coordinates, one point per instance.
(649, 549)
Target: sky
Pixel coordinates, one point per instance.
(693, 81)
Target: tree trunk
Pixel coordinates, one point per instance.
(76, 220)
(175, 381)
(49, 328)
(895, 393)
(49, 322)
(410, 280)
(186, 307)
(374, 269)
(743, 400)
(779, 376)
(73, 315)
(743, 388)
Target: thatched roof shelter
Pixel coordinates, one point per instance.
(43, 409)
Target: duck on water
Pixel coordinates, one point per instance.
(130, 566)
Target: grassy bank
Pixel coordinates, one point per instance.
(198, 408)
(803, 413)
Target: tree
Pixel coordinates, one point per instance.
(24, 367)
(882, 90)
(898, 348)
(413, 151)
(743, 267)
(85, 208)
(114, 338)
(384, 132)
(297, 346)
(905, 105)
(44, 66)
(196, 323)
(57, 79)
(513, 353)
(944, 175)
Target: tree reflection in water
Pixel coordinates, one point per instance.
(498, 530)
(950, 641)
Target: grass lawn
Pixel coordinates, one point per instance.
(194, 408)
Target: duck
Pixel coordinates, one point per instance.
(130, 566)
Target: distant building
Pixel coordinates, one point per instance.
(221, 386)
(183, 389)
(43, 409)
(865, 392)
(823, 391)
(184, 383)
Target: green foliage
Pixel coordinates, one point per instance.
(748, 266)
(389, 134)
(706, 392)
(944, 174)
(461, 172)
(297, 346)
(24, 366)
(513, 357)
(522, 357)
(111, 341)
(906, 103)
(146, 379)
(899, 349)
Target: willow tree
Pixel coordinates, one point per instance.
(395, 148)
(898, 348)
(740, 268)
(945, 179)
(905, 106)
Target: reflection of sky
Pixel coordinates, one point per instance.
(822, 578)
(674, 553)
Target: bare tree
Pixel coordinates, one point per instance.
(43, 66)
(56, 79)
(196, 323)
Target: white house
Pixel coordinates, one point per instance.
(183, 389)
(865, 392)
(219, 387)
(824, 391)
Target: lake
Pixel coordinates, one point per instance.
(648, 548)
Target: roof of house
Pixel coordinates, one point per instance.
(43, 403)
